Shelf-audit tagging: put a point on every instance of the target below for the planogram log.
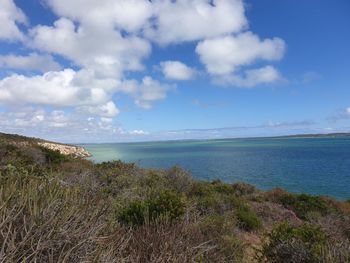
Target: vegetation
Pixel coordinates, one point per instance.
(304, 204)
(162, 206)
(247, 218)
(56, 208)
(286, 243)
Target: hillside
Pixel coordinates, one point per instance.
(61, 208)
(65, 149)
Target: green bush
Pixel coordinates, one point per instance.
(178, 180)
(222, 188)
(248, 220)
(219, 229)
(244, 189)
(165, 205)
(214, 226)
(134, 214)
(53, 157)
(201, 189)
(109, 170)
(217, 203)
(286, 243)
(304, 204)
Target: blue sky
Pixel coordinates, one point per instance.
(110, 71)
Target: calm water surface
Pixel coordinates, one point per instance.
(311, 165)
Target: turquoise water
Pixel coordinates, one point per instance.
(312, 165)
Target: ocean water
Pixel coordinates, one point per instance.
(318, 166)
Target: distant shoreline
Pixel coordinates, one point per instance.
(296, 136)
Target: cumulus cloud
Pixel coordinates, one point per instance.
(130, 15)
(149, 91)
(29, 117)
(33, 61)
(163, 21)
(177, 70)
(104, 50)
(107, 110)
(10, 15)
(224, 55)
(190, 20)
(138, 132)
(52, 88)
(250, 78)
(81, 90)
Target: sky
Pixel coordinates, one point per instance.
(83, 71)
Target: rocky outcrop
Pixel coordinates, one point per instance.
(66, 149)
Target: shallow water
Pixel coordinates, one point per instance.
(312, 165)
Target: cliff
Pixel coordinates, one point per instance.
(65, 149)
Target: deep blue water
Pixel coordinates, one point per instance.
(312, 165)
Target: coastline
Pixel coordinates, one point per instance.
(117, 210)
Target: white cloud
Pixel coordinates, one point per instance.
(10, 15)
(33, 61)
(224, 55)
(81, 90)
(66, 88)
(163, 21)
(130, 15)
(103, 50)
(149, 91)
(177, 70)
(138, 132)
(190, 20)
(52, 88)
(251, 77)
(107, 110)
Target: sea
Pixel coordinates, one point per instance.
(314, 165)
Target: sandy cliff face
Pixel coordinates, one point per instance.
(66, 149)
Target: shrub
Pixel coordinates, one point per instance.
(222, 188)
(214, 226)
(220, 230)
(286, 243)
(303, 204)
(217, 203)
(53, 157)
(248, 220)
(244, 189)
(165, 205)
(201, 189)
(178, 180)
(153, 179)
(214, 197)
(134, 214)
(109, 170)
